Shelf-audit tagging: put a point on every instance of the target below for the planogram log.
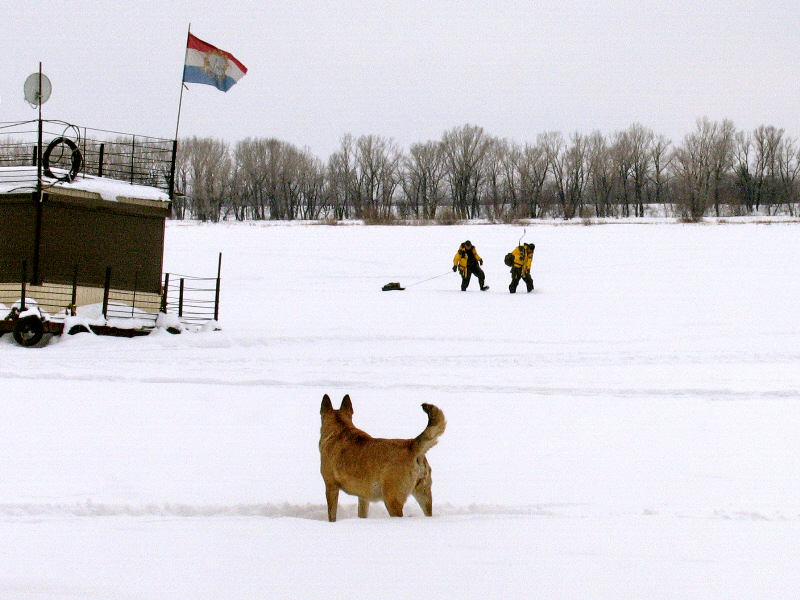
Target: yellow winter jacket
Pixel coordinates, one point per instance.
(462, 258)
(522, 260)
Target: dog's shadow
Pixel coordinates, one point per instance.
(311, 512)
(319, 512)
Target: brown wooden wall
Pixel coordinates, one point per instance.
(17, 227)
(85, 232)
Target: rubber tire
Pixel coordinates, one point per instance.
(75, 329)
(28, 331)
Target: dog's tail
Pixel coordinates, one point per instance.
(430, 436)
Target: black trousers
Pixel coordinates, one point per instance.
(516, 275)
(468, 275)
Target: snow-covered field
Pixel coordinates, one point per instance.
(627, 431)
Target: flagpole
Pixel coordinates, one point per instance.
(183, 85)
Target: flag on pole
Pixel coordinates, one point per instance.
(210, 65)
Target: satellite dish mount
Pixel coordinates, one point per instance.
(37, 89)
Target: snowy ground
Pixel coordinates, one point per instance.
(629, 430)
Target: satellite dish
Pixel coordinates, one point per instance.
(37, 89)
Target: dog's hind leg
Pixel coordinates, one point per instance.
(394, 506)
(425, 500)
(422, 490)
(363, 507)
(332, 497)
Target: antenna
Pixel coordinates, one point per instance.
(37, 89)
(524, 231)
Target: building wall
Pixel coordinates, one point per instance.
(87, 233)
(17, 229)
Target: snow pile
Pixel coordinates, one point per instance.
(16, 179)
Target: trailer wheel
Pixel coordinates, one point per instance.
(75, 329)
(28, 331)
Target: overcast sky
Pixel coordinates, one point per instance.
(408, 70)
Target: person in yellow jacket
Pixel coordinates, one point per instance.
(467, 262)
(521, 269)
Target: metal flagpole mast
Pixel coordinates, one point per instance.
(39, 144)
(39, 190)
(183, 85)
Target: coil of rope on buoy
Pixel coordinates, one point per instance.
(76, 159)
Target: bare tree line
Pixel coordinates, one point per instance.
(469, 174)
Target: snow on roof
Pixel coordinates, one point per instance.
(23, 179)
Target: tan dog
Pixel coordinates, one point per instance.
(375, 468)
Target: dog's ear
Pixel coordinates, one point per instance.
(347, 406)
(326, 405)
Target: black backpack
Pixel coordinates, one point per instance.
(509, 260)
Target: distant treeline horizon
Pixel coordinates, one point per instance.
(716, 170)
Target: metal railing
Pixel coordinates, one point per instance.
(194, 300)
(136, 159)
(51, 297)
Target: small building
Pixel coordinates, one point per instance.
(81, 228)
(81, 212)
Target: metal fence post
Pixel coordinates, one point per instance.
(74, 291)
(180, 298)
(133, 155)
(172, 170)
(216, 295)
(135, 286)
(106, 289)
(164, 294)
(24, 278)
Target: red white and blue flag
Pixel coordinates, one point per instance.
(210, 65)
